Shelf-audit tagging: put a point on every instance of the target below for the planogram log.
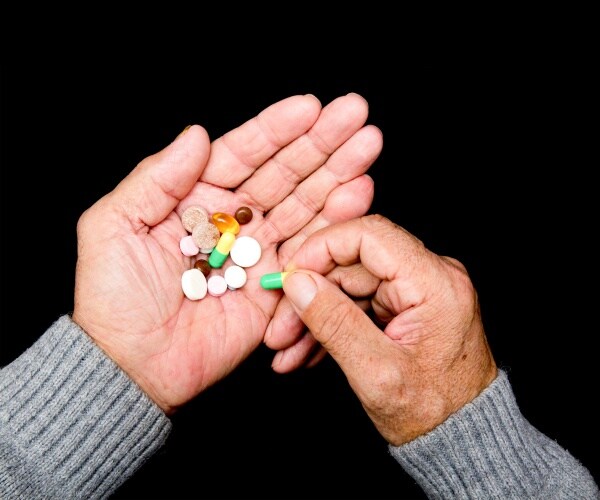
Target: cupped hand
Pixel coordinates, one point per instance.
(402, 323)
(298, 166)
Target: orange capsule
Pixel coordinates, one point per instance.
(226, 223)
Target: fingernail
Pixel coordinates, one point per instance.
(268, 333)
(300, 288)
(183, 132)
(278, 359)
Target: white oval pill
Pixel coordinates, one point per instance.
(246, 251)
(217, 285)
(235, 277)
(188, 247)
(193, 283)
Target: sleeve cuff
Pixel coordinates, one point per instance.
(72, 423)
(489, 450)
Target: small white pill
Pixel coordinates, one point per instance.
(246, 251)
(193, 283)
(217, 285)
(235, 277)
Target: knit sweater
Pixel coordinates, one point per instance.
(73, 425)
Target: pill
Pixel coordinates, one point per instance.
(219, 254)
(193, 284)
(246, 251)
(216, 285)
(203, 266)
(206, 235)
(192, 216)
(273, 280)
(226, 223)
(235, 277)
(188, 247)
(243, 215)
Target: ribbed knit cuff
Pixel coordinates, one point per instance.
(72, 424)
(488, 450)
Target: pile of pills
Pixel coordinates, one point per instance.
(216, 235)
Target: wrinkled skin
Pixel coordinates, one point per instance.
(418, 356)
(299, 167)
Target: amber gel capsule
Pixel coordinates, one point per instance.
(273, 281)
(226, 223)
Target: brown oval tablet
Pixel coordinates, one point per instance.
(204, 266)
(205, 234)
(243, 215)
(192, 216)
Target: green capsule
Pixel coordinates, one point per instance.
(216, 259)
(219, 255)
(273, 281)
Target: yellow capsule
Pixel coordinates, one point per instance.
(226, 223)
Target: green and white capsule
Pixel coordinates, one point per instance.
(272, 281)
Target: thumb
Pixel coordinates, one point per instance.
(154, 188)
(333, 318)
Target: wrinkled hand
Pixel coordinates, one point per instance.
(299, 167)
(420, 353)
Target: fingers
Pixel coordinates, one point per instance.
(384, 249)
(361, 257)
(285, 328)
(340, 326)
(157, 184)
(295, 356)
(348, 164)
(280, 175)
(237, 154)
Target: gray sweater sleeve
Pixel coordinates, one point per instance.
(488, 450)
(72, 424)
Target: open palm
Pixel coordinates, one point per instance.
(299, 167)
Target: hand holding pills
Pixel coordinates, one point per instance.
(169, 262)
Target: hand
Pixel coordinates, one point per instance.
(299, 168)
(422, 353)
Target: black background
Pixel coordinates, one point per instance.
(481, 160)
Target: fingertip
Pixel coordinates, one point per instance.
(356, 95)
(192, 134)
(358, 103)
(375, 135)
(350, 200)
(285, 328)
(314, 100)
(276, 364)
(305, 108)
(294, 357)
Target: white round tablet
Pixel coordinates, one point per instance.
(216, 285)
(193, 283)
(246, 251)
(235, 277)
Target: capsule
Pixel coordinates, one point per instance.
(218, 256)
(273, 281)
(226, 223)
